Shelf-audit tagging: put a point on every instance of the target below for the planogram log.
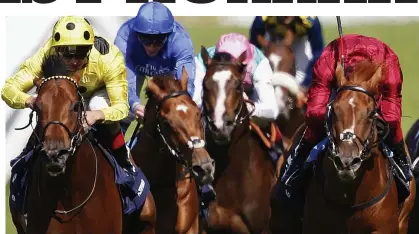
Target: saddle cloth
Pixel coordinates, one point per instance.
(401, 182)
(133, 189)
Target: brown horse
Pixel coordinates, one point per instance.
(282, 60)
(171, 152)
(353, 189)
(71, 184)
(244, 174)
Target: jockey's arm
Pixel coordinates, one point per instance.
(318, 97)
(121, 42)
(114, 76)
(183, 55)
(315, 38)
(392, 99)
(265, 105)
(257, 28)
(14, 92)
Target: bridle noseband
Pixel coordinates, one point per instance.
(349, 135)
(194, 143)
(237, 119)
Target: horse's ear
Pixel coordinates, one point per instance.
(205, 56)
(185, 78)
(242, 57)
(155, 90)
(375, 79)
(340, 75)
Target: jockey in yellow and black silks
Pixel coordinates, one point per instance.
(102, 71)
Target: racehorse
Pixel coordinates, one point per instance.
(171, 152)
(71, 184)
(282, 60)
(353, 189)
(244, 174)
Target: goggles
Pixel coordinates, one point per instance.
(157, 40)
(77, 52)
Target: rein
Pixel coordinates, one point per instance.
(193, 143)
(237, 120)
(76, 137)
(367, 147)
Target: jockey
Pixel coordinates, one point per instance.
(153, 43)
(302, 33)
(102, 69)
(257, 80)
(355, 48)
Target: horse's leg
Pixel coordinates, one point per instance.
(407, 208)
(222, 218)
(187, 202)
(148, 215)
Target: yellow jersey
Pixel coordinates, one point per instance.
(103, 70)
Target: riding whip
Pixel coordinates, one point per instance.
(341, 41)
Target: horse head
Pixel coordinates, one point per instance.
(223, 101)
(352, 119)
(179, 124)
(59, 106)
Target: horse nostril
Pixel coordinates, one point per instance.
(338, 162)
(356, 161)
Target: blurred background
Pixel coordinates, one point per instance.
(25, 35)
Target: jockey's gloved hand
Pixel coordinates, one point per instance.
(30, 102)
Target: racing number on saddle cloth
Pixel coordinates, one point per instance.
(143, 101)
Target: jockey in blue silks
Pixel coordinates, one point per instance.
(307, 44)
(153, 43)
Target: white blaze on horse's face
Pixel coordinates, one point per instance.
(182, 107)
(352, 128)
(275, 60)
(221, 77)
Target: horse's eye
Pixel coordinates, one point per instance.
(76, 106)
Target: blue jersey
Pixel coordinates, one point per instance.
(177, 52)
(303, 26)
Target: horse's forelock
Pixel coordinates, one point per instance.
(54, 65)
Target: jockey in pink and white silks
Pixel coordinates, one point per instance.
(257, 81)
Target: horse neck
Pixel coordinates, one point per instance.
(226, 155)
(370, 183)
(88, 174)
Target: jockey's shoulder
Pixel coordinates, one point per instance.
(103, 51)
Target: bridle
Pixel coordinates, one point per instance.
(237, 119)
(345, 136)
(76, 135)
(194, 142)
(366, 144)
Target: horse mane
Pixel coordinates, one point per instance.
(362, 72)
(54, 65)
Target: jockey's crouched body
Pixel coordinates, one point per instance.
(355, 48)
(102, 72)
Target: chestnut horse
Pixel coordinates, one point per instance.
(282, 60)
(171, 152)
(244, 173)
(71, 184)
(353, 189)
